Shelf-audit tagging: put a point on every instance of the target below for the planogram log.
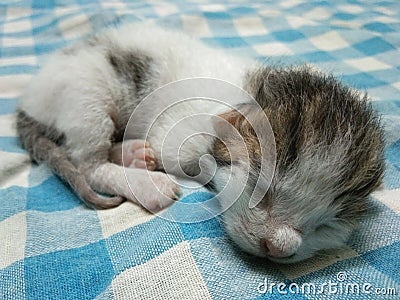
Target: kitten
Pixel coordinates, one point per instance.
(329, 142)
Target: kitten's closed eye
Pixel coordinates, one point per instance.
(323, 227)
(221, 162)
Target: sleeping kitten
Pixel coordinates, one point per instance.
(328, 140)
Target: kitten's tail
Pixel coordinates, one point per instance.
(42, 144)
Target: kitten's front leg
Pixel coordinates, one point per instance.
(133, 154)
(152, 190)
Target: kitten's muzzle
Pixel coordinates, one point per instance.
(272, 250)
(282, 244)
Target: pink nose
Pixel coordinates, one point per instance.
(272, 250)
(284, 241)
(275, 251)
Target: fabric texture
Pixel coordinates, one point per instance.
(53, 247)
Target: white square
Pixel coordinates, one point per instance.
(122, 217)
(212, 7)
(367, 64)
(113, 5)
(329, 41)
(348, 24)
(396, 85)
(196, 25)
(386, 20)
(7, 125)
(11, 86)
(14, 169)
(13, 239)
(17, 26)
(290, 3)
(390, 198)
(67, 10)
(165, 9)
(385, 10)
(315, 263)
(273, 49)
(352, 9)
(19, 60)
(318, 13)
(17, 12)
(171, 275)
(75, 26)
(269, 13)
(246, 26)
(17, 42)
(297, 22)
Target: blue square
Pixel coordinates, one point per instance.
(231, 42)
(347, 273)
(288, 35)
(217, 15)
(230, 273)
(7, 106)
(392, 155)
(242, 10)
(11, 144)
(16, 51)
(52, 195)
(210, 228)
(379, 27)
(392, 178)
(362, 81)
(374, 46)
(380, 227)
(80, 273)
(193, 208)
(344, 16)
(12, 283)
(281, 295)
(12, 201)
(318, 56)
(386, 260)
(388, 107)
(46, 48)
(43, 4)
(156, 236)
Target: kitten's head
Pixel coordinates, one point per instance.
(329, 147)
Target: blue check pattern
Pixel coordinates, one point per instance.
(53, 247)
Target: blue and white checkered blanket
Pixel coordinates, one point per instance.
(53, 247)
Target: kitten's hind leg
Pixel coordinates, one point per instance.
(134, 154)
(153, 190)
(35, 137)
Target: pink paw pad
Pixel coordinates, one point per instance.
(134, 154)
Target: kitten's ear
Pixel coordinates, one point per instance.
(225, 124)
(227, 120)
(235, 117)
(232, 116)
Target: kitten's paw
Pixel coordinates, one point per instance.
(134, 154)
(159, 194)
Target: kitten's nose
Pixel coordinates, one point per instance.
(283, 242)
(273, 250)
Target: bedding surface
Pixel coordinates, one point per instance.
(54, 247)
